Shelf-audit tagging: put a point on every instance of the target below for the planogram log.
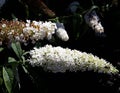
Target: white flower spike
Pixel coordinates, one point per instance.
(92, 19)
(58, 59)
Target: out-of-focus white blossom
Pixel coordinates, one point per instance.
(93, 21)
(58, 59)
(62, 34)
(3, 25)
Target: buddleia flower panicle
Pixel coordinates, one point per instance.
(58, 59)
(92, 19)
(25, 32)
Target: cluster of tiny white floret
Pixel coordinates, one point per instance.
(93, 21)
(31, 31)
(58, 59)
(39, 30)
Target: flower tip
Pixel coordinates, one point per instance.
(62, 34)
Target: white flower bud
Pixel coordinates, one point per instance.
(62, 34)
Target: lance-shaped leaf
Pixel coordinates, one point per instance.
(17, 77)
(10, 60)
(13, 62)
(8, 78)
(17, 49)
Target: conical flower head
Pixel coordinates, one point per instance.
(58, 59)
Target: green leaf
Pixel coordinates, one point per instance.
(17, 76)
(13, 62)
(17, 49)
(92, 8)
(8, 78)
(10, 59)
(23, 59)
(1, 49)
(25, 70)
(25, 53)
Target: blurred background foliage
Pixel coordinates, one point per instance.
(82, 37)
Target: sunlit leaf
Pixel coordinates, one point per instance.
(23, 59)
(8, 78)
(10, 59)
(17, 49)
